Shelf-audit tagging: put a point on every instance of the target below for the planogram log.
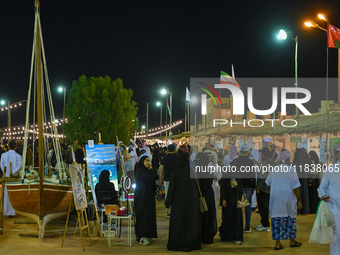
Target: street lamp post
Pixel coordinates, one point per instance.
(143, 127)
(3, 102)
(313, 24)
(160, 121)
(163, 92)
(63, 89)
(283, 35)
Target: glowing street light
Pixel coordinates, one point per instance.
(323, 17)
(283, 36)
(2, 102)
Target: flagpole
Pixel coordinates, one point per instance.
(170, 113)
(185, 113)
(327, 91)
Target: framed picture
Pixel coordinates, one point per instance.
(102, 157)
(78, 187)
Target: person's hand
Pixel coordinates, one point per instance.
(215, 178)
(299, 205)
(257, 190)
(253, 191)
(167, 209)
(160, 182)
(325, 198)
(224, 203)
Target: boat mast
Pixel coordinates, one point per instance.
(40, 114)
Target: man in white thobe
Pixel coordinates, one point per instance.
(329, 191)
(6, 158)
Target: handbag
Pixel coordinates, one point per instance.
(203, 203)
(244, 202)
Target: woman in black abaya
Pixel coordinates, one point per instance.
(145, 205)
(231, 228)
(208, 219)
(183, 197)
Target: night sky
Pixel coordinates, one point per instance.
(162, 44)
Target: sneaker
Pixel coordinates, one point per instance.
(168, 216)
(148, 239)
(144, 241)
(238, 242)
(248, 230)
(258, 226)
(263, 229)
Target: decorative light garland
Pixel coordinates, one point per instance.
(162, 129)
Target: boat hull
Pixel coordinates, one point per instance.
(25, 197)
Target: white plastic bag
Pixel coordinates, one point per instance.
(322, 231)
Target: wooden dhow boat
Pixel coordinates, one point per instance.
(35, 195)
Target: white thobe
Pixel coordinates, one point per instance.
(6, 158)
(282, 181)
(330, 185)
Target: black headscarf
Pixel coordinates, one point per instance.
(142, 172)
(182, 160)
(202, 159)
(104, 178)
(314, 157)
(141, 163)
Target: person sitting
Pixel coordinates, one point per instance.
(105, 191)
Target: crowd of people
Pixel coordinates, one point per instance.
(281, 194)
(283, 191)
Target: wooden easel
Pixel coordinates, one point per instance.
(86, 167)
(81, 222)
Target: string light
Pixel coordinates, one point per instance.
(158, 132)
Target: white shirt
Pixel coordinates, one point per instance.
(11, 156)
(283, 202)
(330, 185)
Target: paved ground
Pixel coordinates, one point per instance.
(255, 243)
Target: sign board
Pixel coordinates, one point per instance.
(296, 139)
(90, 143)
(257, 140)
(78, 187)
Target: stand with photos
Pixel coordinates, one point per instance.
(80, 202)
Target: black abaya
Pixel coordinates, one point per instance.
(185, 222)
(145, 205)
(208, 219)
(231, 228)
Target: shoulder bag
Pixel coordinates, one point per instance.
(203, 203)
(244, 202)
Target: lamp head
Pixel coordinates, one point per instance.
(158, 103)
(163, 92)
(310, 24)
(2, 102)
(323, 17)
(60, 89)
(282, 35)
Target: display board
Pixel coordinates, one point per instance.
(78, 187)
(102, 157)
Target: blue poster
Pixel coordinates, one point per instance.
(102, 157)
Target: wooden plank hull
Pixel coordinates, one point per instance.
(24, 199)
